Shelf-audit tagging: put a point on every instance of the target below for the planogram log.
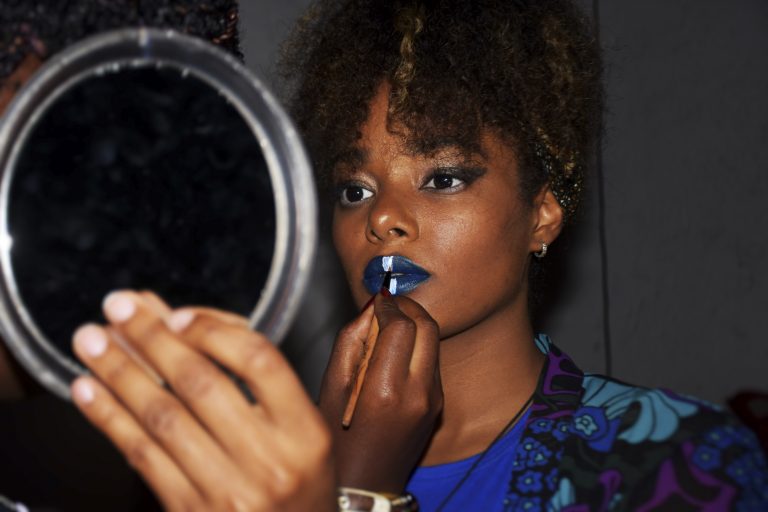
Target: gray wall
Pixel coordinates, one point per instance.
(686, 167)
(664, 283)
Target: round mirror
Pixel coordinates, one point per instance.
(146, 159)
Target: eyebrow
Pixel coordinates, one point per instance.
(429, 147)
(353, 156)
(356, 156)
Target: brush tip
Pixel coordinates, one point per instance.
(387, 280)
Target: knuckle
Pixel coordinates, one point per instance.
(419, 406)
(429, 326)
(285, 484)
(149, 329)
(196, 378)
(202, 327)
(257, 358)
(161, 417)
(118, 368)
(137, 454)
(348, 332)
(105, 416)
(403, 326)
(235, 500)
(206, 324)
(387, 398)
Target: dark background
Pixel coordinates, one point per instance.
(662, 281)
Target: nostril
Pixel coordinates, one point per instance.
(397, 231)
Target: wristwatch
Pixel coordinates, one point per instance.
(360, 500)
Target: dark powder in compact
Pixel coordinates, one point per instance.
(144, 179)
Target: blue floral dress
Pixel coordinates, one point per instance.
(612, 446)
(590, 443)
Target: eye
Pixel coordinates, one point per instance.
(351, 194)
(446, 180)
(443, 182)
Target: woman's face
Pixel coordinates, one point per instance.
(456, 226)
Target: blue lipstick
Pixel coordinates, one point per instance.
(406, 275)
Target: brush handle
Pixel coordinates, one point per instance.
(373, 334)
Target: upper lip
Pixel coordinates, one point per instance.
(400, 266)
(406, 275)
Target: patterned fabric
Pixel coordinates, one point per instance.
(594, 443)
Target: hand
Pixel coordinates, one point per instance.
(203, 446)
(400, 400)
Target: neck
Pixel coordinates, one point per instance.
(488, 373)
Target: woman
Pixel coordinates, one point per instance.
(454, 135)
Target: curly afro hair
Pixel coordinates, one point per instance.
(527, 69)
(43, 28)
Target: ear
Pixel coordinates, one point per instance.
(547, 219)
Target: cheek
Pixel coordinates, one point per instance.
(482, 235)
(346, 241)
(341, 239)
(483, 252)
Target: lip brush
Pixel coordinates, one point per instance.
(373, 333)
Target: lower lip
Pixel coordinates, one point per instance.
(404, 283)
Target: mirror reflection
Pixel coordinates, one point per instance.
(143, 178)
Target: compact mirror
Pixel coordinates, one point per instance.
(147, 159)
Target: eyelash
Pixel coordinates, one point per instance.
(342, 189)
(466, 176)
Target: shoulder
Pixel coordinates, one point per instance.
(666, 450)
(643, 415)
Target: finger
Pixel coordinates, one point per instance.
(201, 386)
(299, 437)
(160, 472)
(159, 413)
(424, 360)
(348, 351)
(252, 357)
(158, 305)
(183, 316)
(162, 309)
(391, 359)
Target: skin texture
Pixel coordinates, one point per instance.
(475, 239)
(183, 443)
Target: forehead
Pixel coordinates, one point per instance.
(382, 135)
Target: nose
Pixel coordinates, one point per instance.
(391, 219)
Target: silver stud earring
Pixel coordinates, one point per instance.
(543, 251)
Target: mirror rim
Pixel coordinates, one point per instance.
(288, 164)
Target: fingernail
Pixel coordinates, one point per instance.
(180, 320)
(82, 391)
(91, 340)
(119, 307)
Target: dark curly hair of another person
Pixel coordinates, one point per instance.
(529, 71)
(43, 27)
